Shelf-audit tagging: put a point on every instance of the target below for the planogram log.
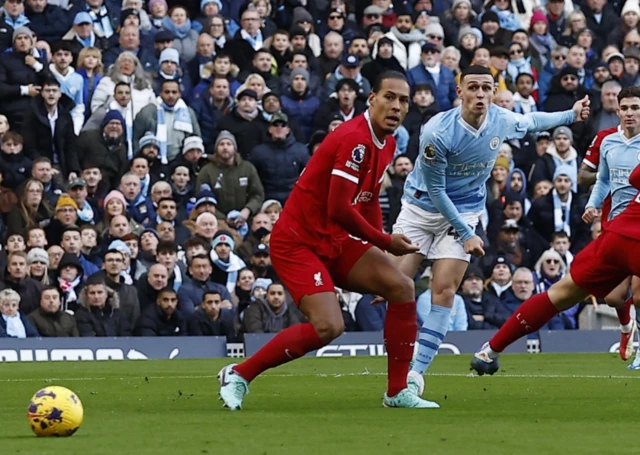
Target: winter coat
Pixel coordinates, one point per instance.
(154, 323)
(93, 150)
(332, 81)
(209, 116)
(545, 166)
(51, 24)
(29, 290)
(248, 134)
(407, 55)
(302, 108)
(146, 56)
(40, 143)
(444, 92)
(608, 21)
(235, 187)
(104, 95)
(314, 84)
(495, 314)
(127, 298)
(14, 73)
(199, 324)
(108, 321)
(29, 329)
(186, 46)
(16, 221)
(257, 315)
(15, 168)
(542, 217)
(147, 295)
(185, 85)
(279, 165)
(241, 50)
(58, 324)
(6, 33)
(147, 120)
(190, 294)
(141, 210)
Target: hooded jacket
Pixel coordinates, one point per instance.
(108, 321)
(545, 166)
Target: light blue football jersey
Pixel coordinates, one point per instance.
(456, 160)
(619, 156)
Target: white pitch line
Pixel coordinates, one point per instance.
(334, 376)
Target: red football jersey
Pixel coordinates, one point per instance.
(351, 152)
(627, 223)
(592, 159)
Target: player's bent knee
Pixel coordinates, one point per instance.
(328, 330)
(443, 297)
(399, 288)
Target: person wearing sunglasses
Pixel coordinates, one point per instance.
(550, 269)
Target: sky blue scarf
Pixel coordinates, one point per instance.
(180, 31)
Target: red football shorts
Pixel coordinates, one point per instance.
(303, 271)
(605, 263)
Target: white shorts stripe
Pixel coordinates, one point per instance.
(344, 175)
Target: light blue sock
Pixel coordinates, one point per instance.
(433, 331)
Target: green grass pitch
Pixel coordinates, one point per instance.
(538, 404)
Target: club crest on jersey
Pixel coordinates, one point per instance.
(495, 142)
(429, 154)
(357, 154)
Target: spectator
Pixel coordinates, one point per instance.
(427, 73)
(332, 49)
(49, 320)
(149, 285)
(261, 66)
(561, 244)
(163, 318)
(279, 161)
(243, 122)
(405, 41)
(13, 323)
(14, 164)
(139, 54)
(523, 288)
(384, 59)
(178, 23)
(606, 117)
(348, 69)
(83, 36)
(205, 50)
(484, 309)
(242, 294)
(128, 68)
(192, 157)
(458, 320)
(106, 148)
(234, 181)
(402, 166)
(272, 314)
(299, 103)
(38, 263)
(226, 264)
(167, 212)
(32, 210)
(70, 281)
(21, 76)
(49, 22)
(560, 153)
(345, 104)
(172, 121)
(190, 294)
(99, 314)
(51, 130)
(66, 215)
(139, 208)
(500, 276)
(210, 319)
(212, 107)
(561, 210)
(170, 71)
(260, 263)
(72, 243)
(87, 214)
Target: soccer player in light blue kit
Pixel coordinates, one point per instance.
(444, 195)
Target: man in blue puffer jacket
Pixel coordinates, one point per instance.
(299, 103)
(438, 76)
(280, 159)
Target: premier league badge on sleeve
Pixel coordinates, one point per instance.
(357, 154)
(429, 156)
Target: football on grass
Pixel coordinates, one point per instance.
(55, 411)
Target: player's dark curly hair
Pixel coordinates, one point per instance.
(629, 92)
(388, 75)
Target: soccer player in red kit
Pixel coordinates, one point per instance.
(618, 297)
(596, 270)
(330, 234)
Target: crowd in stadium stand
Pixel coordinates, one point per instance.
(147, 148)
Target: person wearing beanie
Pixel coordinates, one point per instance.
(383, 61)
(560, 153)
(171, 120)
(170, 69)
(226, 264)
(565, 90)
(192, 157)
(299, 103)
(38, 264)
(407, 41)
(492, 34)
(460, 15)
(66, 215)
(234, 181)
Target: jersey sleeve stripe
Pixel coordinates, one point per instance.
(590, 164)
(344, 175)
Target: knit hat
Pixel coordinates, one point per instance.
(263, 283)
(468, 30)
(37, 255)
(70, 260)
(300, 14)
(148, 139)
(630, 6)
(500, 260)
(434, 28)
(205, 196)
(112, 115)
(563, 130)
(568, 71)
(300, 71)
(169, 55)
(153, 2)
(490, 16)
(192, 142)
(115, 194)
(457, 3)
(120, 246)
(22, 31)
(223, 237)
(296, 30)
(152, 231)
(269, 202)
(502, 161)
(224, 134)
(537, 17)
(128, 12)
(65, 201)
(385, 40)
(204, 3)
(564, 169)
(473, 271)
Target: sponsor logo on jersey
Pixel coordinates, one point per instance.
(357, 154)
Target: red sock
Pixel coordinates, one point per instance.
(400, 328)
(624, 313)
(529, 317)
(288, 345)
